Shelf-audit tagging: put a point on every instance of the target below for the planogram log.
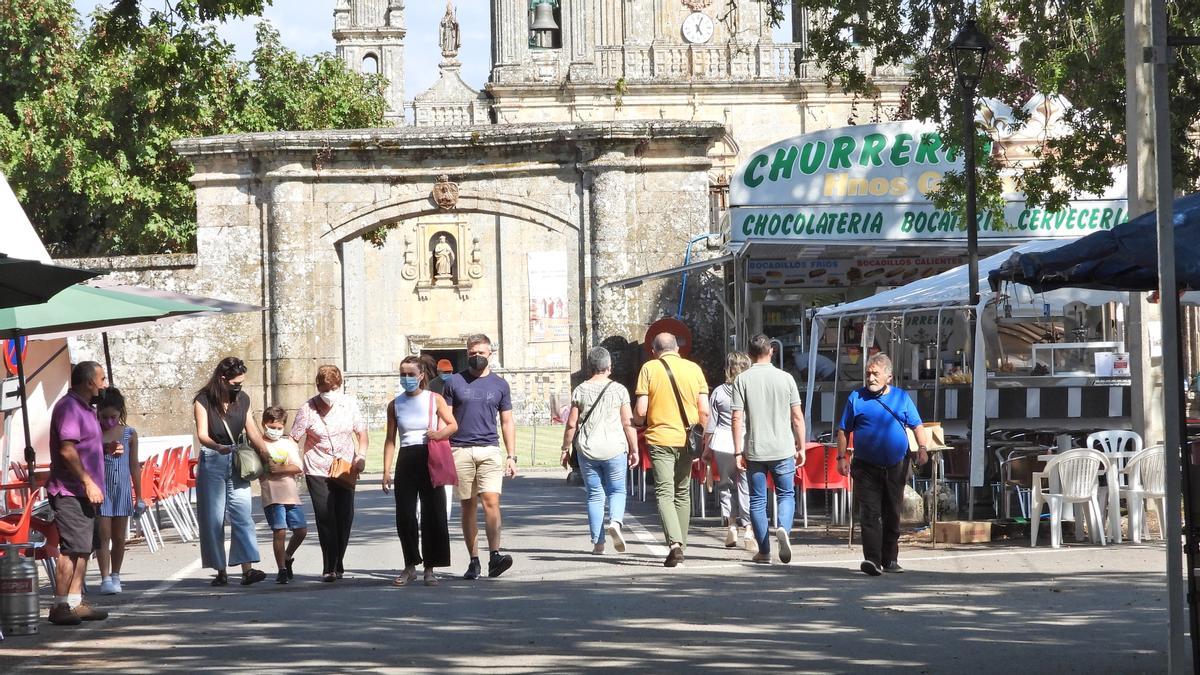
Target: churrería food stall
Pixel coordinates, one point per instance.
(839, 215)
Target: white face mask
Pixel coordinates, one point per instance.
(331, 397)
(273, 434)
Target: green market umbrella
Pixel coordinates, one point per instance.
(88, 309)
(81, 308)
(28, 282)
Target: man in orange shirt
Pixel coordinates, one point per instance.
(666, 433)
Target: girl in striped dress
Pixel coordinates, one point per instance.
(122, 484)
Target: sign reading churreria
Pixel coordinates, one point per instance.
(869, 183)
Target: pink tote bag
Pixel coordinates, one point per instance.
(441, 458)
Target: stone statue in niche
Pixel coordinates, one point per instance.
(443, 259)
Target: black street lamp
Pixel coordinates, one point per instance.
(969, 50)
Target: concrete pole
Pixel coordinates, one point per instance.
(1142, 104)
(1146, 399)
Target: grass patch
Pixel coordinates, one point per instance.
(540, 443)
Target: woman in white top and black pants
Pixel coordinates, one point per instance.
(410, 416)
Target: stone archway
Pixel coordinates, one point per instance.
(392, 307)
(469, 201)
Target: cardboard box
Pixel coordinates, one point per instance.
(963, 532)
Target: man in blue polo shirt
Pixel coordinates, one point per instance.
(879, 415)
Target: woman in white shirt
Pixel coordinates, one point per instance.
(410, 417)
(718, 446)
(603, 420)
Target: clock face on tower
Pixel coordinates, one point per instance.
(697, 28)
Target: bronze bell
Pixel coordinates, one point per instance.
(543, 18)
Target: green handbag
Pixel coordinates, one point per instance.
(247, 465)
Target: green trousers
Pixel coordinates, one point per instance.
(673, 491)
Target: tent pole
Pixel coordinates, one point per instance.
(30, 455)
(107, 357)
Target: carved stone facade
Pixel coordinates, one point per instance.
(616, 199)
(623, 60)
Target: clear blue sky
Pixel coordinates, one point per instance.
(306, 26)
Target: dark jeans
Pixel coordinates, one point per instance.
(879, 495)
(412, 482)
(333, 507)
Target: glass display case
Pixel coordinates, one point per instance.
(1070, 358)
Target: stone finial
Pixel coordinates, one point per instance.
(395, 14)
(449, 35)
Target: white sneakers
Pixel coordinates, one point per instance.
(731, 536)
(614, 533)
(110, 585)
(748, 539)
(785, 546)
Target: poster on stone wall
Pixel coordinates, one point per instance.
(548, 318)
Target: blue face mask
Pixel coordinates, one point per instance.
(410, 383)
(445, 376)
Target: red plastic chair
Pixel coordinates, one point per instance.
(820, 473)
(14, 527)
(146, 521)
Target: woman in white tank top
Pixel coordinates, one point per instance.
(409, 419)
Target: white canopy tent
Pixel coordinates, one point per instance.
(48, 363)
(949, 291)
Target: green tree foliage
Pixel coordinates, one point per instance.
(87, 115)
(1064, 47)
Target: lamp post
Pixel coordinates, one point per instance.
(969, 50)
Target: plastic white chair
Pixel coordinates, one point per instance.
(1147, 478)
(1115, 441)
(1075, 473)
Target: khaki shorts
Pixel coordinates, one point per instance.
(480, 469)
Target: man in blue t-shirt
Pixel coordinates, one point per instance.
(477, 396)
(879, 416)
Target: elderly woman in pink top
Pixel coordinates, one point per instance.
(329, 427)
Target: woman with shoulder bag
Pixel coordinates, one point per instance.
(418, 416)
(600, 428)
(332, 433)
(222, 414)
(733, 490)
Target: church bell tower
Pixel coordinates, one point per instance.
(369, 37)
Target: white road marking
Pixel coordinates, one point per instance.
(648, 540)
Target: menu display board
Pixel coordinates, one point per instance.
(849, 272)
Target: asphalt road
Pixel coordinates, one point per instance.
(994, 608)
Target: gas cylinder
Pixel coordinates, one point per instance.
(19, 609)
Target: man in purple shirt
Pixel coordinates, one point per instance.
(478, 396)
(76, 489)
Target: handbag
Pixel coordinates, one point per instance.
(442, 470)
(341, 471)
(575, 449)
(913, 446)
(247, 465)
(694, 433)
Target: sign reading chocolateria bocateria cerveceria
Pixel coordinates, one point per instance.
(869, 183)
